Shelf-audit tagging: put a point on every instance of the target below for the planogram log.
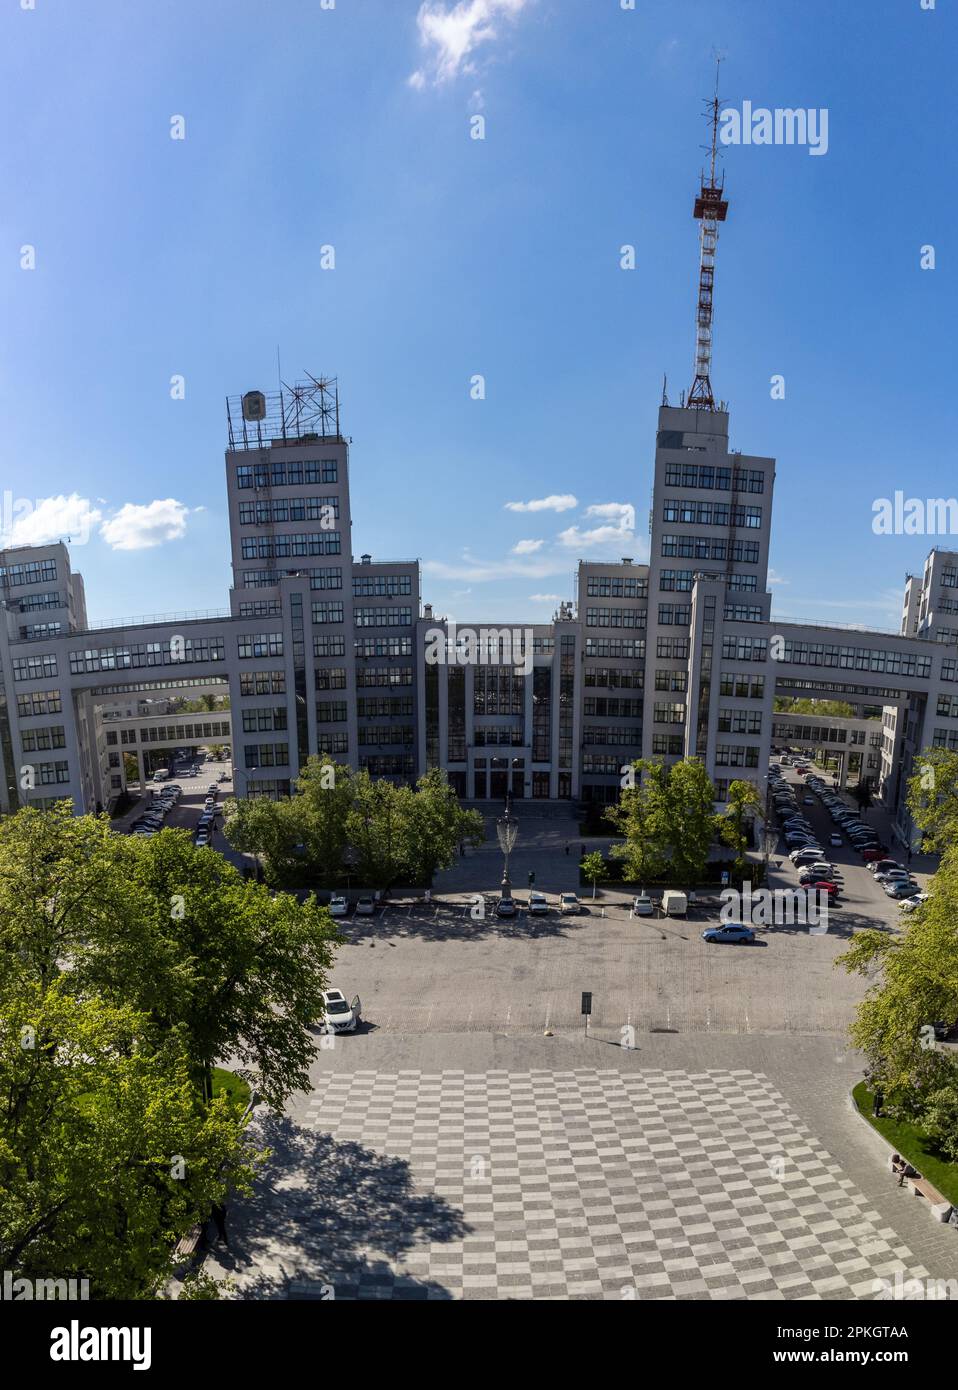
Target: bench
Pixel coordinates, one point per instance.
(187, 1245)
(939, 1205)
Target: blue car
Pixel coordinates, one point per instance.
(731, 931)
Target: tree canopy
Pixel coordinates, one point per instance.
(343, 822)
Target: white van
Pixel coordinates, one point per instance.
(674, 903)
(160, 775)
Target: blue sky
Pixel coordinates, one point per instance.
(350, 127)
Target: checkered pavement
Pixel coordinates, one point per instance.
(592, 1184)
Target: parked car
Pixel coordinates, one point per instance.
(824, 886)
(365, 906)
(338, 906)
(901, 889)
(835, 838)
(675, 903)
(735, 932)
(878, 866)
(538, 904)
(569, 902)
(916, 900)
(642, 905)
(883, 875)
(337, 1015)
(506, 907)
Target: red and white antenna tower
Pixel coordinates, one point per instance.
(711, 209)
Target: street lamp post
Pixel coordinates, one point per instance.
(507, 832)
(247, 772)
(769, 832)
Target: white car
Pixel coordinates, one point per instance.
(642, 905)
(337, 1015)
(366, 906)
(909, 904)
(538, 904)
(569, 902)
(338, 906)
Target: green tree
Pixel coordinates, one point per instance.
(639, 817)
(170, 931)
(862, 794)
(437, 825)
(106, 1158)
(804, 705)
(690, 818)
(914, 984)
(933, 797)
(741, 805)
(593, 867)
(131, 768)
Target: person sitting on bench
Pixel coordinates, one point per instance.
(899, 1167)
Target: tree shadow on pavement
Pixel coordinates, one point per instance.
(334, 1214)
(451, 923)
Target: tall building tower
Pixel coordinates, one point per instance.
(287, 482)
(708, 688)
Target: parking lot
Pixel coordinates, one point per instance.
(861, 901)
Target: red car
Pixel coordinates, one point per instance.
(874, 852)
(825, 887)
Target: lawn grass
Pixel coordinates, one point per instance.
(913, 1144)
(226, 1083)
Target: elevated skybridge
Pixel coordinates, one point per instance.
(834, 662)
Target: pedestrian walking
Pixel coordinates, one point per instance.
(567, 849)
(219, 1220)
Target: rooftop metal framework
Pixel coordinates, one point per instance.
(294, 414)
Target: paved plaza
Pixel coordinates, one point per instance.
(474, 1141)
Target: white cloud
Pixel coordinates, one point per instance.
(52, 519)
(450, 33)
(774, 578)
(140, 527)
(622, 513)
(527, 547)
(557, 502)
(546, 598)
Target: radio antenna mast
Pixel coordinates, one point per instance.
(710, 209)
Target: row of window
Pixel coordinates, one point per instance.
(614, 678)
(261, 608)
(287, 473)
(668, 712)
(390, 765)
(38, 632)
(28, 572)
(302, 543)
(52, 736)
(719, 479)
(605, 763)
(671, 680)
(610, 586)
(382, 617)
(743, 613)
(382, 586)
(285, 509)
(624, 709)
(256, 755)
(172, 733)
(262, 682)
(632, 649)
(691, 513)
(739, 721)
(384, 707)
(736, 755)
(382, 735)
(31, 603)
(266, 720)
(742, 685)
(371, 676)
(612, 736)
(675, 614)
(39, 702)
(893, 663)
(615, 617)
(744, 649)
(710, 548)
(945, 738)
